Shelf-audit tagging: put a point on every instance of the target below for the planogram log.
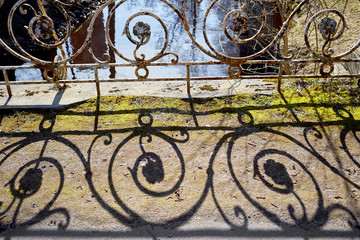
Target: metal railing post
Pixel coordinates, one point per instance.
(97, 81)
(188, 79)
(8, 87)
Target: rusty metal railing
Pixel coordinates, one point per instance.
(251, 39)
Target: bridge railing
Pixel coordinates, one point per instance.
(125, 41)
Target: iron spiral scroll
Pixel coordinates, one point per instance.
(239, 25)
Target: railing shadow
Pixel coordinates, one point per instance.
(285, 172)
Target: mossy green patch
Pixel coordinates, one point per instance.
(207, 87)
(306, 100)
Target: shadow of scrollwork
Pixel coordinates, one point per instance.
(148, 174)
(271, 170)
(350, 152)
(29, 184)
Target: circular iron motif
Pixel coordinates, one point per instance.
(327, 27)
(142, 30)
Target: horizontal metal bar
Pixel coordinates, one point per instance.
(106, 65)
(55, 69)
(248, 77)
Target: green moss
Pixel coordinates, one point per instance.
(207, 88)
(306, 100)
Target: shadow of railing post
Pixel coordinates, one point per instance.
(270, 168)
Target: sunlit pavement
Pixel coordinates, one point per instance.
(180, 172)
(48, 96)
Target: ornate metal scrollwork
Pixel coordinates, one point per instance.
(329, 30)
(224, 25)
(239, 23)
(142, 31)
(41, 27)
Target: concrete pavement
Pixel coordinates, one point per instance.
(48, 96)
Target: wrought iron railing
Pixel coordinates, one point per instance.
(251, 39)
